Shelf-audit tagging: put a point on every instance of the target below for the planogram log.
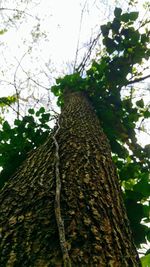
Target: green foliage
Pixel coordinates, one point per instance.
(145, 261)
(4, 103)
(72, 82)
(127, 17)
(3, 31)
(17, 141)
(7, 101)
(125, 48)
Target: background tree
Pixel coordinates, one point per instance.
(125, 47)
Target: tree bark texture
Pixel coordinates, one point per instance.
(97, 231)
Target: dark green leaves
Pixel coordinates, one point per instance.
(140, 103)
(117, 12)
(31, 111)
(110, 44)
(143, 186)
(72, 82)
(115, 26)
(17, 141)
(146, 114)
(105, 30)
(132, 16)
(6, 126)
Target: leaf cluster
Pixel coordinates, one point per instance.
(73, 82)
(7, 101)
(15, 142)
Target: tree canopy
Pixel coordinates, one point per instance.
(109, 83)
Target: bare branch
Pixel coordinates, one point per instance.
(139, 79)
(15, 83)
(80, 27)
(9, 105)
(142, 130)
(15, 10)
(88, 54)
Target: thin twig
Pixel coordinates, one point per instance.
(88, 54)
(29, 78)
(15, 84)
(142, 130)
(7, 104)
(80, 27)
(15, 10)
(139, 79)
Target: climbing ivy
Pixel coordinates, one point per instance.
(125, 47)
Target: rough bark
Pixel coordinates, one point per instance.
(97, 231)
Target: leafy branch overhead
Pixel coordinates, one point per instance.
(125, 49)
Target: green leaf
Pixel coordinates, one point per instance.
(140, 103)
(125, 17)
(117, 12)
(17, 122)
(44, 118)
(145, 261)
(105, 30)
(144, 38)
(55, 89)
(146, 114)
(31, 111)
(110, 44)
(130, 171)
(7, 100)
(42, 110)
(116, 25)
(132, 16)
(143, 187)
(3, 31)
(6, 126)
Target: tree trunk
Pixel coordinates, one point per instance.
(88, 226)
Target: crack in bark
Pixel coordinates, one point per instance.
(59, 220)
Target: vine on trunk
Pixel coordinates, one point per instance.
(59, 220)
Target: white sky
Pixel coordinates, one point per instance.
(53, 55)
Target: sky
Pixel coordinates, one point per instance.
(60, 20)
(63, 27)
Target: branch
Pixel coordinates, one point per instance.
(139, 79)
(142, 130)
(15, 85)
(9, 105)
(80, 27)
(47, 88)
(88, 54)
(15, 10)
